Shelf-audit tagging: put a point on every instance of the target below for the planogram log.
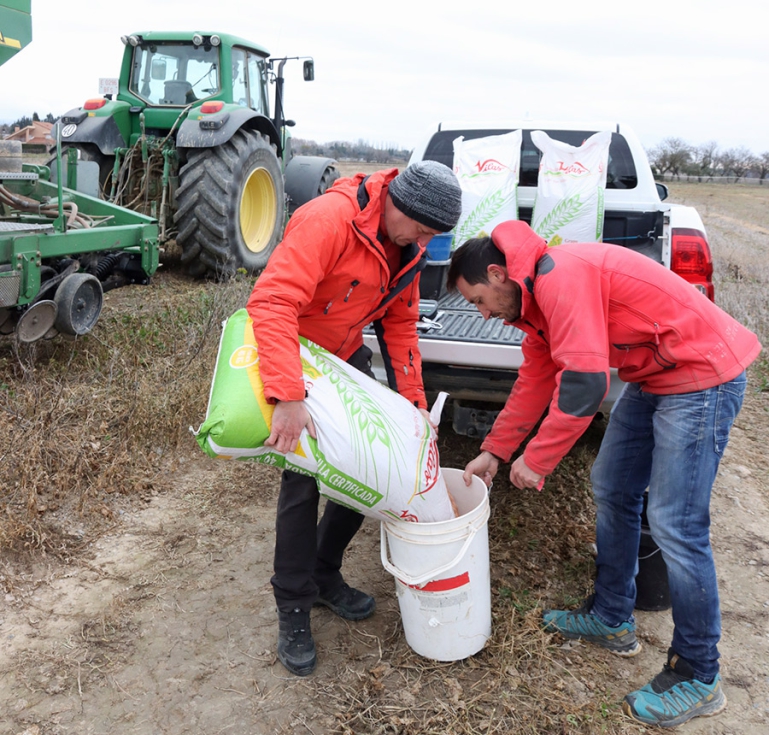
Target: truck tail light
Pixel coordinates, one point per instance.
(691, 259)
(95, 103)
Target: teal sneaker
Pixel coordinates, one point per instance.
(675, 696)
(582, 624)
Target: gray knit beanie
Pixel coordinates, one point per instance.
(429, 193)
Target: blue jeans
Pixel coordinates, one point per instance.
(672, 445)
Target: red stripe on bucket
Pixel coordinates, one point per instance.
(442, 585)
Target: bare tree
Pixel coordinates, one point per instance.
(704, 160)
(736, 162)
(762, 166)
(671, 155)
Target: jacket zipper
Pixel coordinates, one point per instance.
(353, 284)
(382, 288)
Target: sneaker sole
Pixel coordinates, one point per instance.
(602, 642)
(622, 653)
(629, 653)
(703, 711)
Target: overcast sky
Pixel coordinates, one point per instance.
(386, 71)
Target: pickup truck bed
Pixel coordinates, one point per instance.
(477, 361)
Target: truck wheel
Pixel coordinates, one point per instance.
(230, 206)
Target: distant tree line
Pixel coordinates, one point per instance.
(23, 122)
(675, 158)
(346, 151)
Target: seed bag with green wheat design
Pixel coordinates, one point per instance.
(374, 452)
(572, 179)
(487, 170)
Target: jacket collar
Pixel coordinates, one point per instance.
(369, 191)
(523, 249)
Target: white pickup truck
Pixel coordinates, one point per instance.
(476, 361)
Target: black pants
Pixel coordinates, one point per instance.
(308, 553)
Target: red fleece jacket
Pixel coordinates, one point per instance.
(589, 307)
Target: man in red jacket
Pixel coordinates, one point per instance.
(586, 308)
(348, 258)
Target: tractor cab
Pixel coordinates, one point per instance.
(177, 70)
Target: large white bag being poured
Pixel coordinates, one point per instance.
(375, 452)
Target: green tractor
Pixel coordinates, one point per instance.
(59, 248)
(186, 136)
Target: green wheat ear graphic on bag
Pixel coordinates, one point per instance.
(556, 240)
(485, 211)
(562, 214)
(370, 428)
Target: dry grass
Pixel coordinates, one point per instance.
(99, 415)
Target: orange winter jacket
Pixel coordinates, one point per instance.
(588, 307)
(327, 280)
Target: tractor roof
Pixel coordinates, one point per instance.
(227, 38)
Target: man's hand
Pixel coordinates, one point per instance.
(521, 475)
(288, 420)
(485, 466)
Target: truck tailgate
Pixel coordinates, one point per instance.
(459, 335)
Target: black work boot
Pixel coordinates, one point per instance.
(296, 648)
(347, 602)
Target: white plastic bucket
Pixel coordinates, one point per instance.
(441, 575)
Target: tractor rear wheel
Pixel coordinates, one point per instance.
(230, 206)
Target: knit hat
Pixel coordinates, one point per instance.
(429, 193)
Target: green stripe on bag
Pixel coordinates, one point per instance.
(238, 417)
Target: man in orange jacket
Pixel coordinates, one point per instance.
(586, 308)
(348, 258)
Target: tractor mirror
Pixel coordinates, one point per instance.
(158, 69)
(309, 70)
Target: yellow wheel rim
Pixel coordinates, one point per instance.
(258, 209)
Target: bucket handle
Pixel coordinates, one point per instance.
(422, 578)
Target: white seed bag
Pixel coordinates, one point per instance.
(487, 170)
(570, 189)
(374, 452)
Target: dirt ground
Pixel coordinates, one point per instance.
(166, 622)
